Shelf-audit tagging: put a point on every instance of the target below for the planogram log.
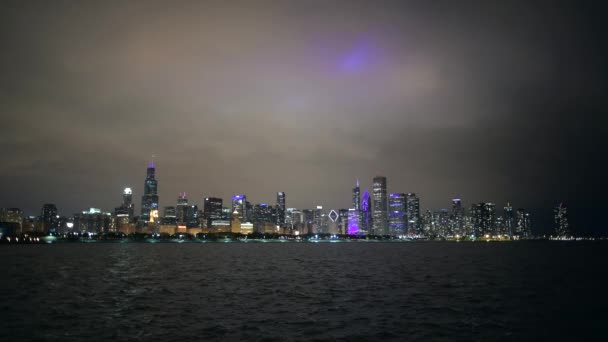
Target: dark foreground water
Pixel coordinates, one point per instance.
(304, 291)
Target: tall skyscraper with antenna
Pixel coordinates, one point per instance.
(149, 200)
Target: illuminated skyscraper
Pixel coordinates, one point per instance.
(560, 218)
(457, 217)
(489, 219)
(523, 224)
(396, 214)
(280, 210)
(365, 214)
(318, 219)
(124, 213)
(263, 213)
(212, 209)
(508, 219)
(380, 206)
(181, 209)
(353, 222)
(239, 204)
(127, 201)
(149, 200)
(414, 226)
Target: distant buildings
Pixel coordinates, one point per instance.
(397, 214)
(560, 219)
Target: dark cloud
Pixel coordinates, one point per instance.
(489, 102)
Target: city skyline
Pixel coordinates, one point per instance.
(387, 213)
(304, 97)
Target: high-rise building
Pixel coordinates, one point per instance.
(522, 224)
(263, 213)
(169, 216)
(457, 217)
(149, 200)
(484, 219)
(212, 209)
(280, 209)
(127, 201)
(13, 215)
(508, 219)
(353, 222)
(560, 219)
(293, 217)
(489, 219)
(356, 197)
(443, 223)
(318, 219)
(11, 221)
(396, 214)
(191, 219)
(124, 213)
(365, 215)
(308, 217)
(414, 226)
(248, 212)
(380, 206)
(48, 218)
(239, 204)
(181, 208)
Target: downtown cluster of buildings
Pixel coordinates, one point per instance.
(378, 213)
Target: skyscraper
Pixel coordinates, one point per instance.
(149, 200)
(414, 226)
(560, 218)
(457, 217)
(489, 219)
(318, 219)
(239, 204)
(396, 214)
(522, 225)
(380, 208)
(280, 210)
(508, 219)
(124, 213)
(48, 218)
(191, 217)
(127, 201)
(181, 209)
(356, 197)
(365, 214)
(212, 209)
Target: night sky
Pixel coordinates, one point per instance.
(488, 101)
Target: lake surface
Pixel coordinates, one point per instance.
(350, 291)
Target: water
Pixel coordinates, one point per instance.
(304, 291)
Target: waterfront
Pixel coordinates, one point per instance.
(290, 291)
